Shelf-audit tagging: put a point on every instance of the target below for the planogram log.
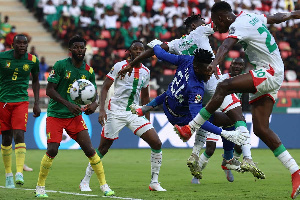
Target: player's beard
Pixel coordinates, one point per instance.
(79, 59)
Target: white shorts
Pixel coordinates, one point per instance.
(211, 137)
(266, 82)
(230, 102)
(117, 120)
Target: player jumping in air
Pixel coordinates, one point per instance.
(262, 83)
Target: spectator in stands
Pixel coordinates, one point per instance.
(63, 24)
(192, 5)
(170, 9)
(88, 5)
(182, 8)
(159, 21)
(10, 37)
(117, 41)
(43, 68)
(49, 12)
(99, 10)
(136, 7)
(85, 20)
(135, 21)
(110, 19)
(129, 38)
(33, 52)
(75, 12)
(5, 27)
(40, 10)
(65, 7)
(98, 64)
(174, 23)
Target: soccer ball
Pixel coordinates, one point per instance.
(83, 92)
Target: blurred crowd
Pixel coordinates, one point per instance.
(109, 26)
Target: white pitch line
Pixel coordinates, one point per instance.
(76, 194)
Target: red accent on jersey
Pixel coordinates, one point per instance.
(87, 67)
(29, 56)
(232, 36)
(109, 77)
(235, 100)
(109, 105)
(136, 73)
(271, 70)
(239, 14)
(145, 68)
(102, 135)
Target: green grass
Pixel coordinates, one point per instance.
(128, 174)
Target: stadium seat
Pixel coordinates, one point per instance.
(122, 53)
(169, 72)
(227, 64)
(281, 94)
(118, 24)
(234, 54)
(284, 46)
(165, 36)
(101, 44)
(91, 43)
(284, 54)
(291, 94)
(153, 93)
(105, 34)
(95, 50)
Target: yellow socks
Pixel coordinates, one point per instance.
(97, 166)
(6, 156)
(20, 151)
(46, 164)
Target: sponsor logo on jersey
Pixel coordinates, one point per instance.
(26, 67)
(198, 98)
(7, 64)
(231, 31)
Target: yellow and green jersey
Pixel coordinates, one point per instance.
(15, 74)
(64, 74)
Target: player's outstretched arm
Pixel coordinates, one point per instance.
(102, 97)
(145, 98)
(165, 56)
(282, 17)
(221, 53)
(36, 93)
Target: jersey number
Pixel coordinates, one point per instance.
(15, 76)
(175, 83)
(272, 47)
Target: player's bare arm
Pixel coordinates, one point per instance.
(221, 53)
(145, 98)
(147, 54)
(36, 93)
(53, 94)
(282, 17)
(102, 97)
(91, 108)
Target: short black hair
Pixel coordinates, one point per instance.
(191, 19)
(20, 35)
(76, 38)
(203, 56)
(221, 6)
(134, 41)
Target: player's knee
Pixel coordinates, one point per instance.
(210, 148)
(52, 149)
(156, 145)
(223, 87)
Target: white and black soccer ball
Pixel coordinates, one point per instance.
(83, 92)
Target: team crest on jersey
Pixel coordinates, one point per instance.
(231, 30)
(7, 64)
(26, 67)
(83, 77)
(68, 74)
(112, 69)
(198, 98)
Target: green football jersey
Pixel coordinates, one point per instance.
(64, 74)
(15, 74)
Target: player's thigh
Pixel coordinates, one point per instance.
(54, 129)
(19, 116)
(116, 121)
(5, 116)
(139, 125)
(75, 126)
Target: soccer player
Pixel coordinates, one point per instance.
(262, 83)
(197, 37)
(118, 115)
(16, 65)
(63, 113)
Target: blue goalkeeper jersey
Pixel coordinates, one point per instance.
(183, 99)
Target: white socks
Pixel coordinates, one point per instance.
(200, 140)
(197, 122)
(288, 161)
(156, 159)
(88, 173)
(203, 160)
(246, 148)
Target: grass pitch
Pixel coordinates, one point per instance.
(128, 174)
